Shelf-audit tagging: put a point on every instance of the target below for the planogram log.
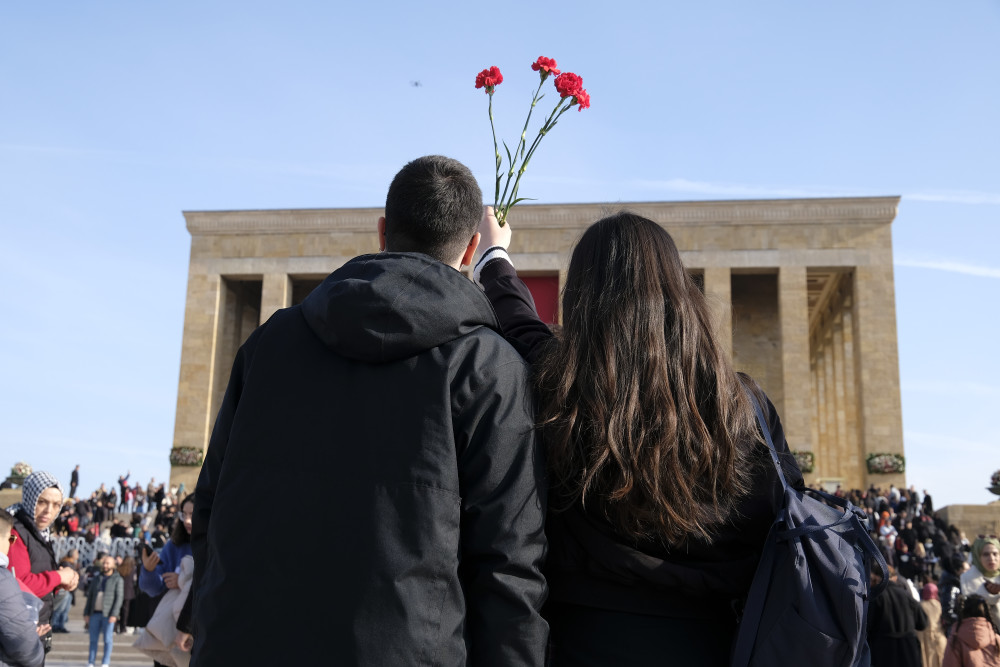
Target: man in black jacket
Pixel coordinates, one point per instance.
(389, 405)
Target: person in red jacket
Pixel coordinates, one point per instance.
(32, 560)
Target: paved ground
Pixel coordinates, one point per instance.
(70, 650)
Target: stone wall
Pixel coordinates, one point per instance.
(973, 520)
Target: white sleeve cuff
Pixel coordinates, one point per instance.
(496, 252)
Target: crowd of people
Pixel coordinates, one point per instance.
(941, 607)
(493, 492)
(119, 594)
(119, 510)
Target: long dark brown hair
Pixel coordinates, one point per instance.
(640, 409)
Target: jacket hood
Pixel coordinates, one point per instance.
(390, 306)
(976, 633)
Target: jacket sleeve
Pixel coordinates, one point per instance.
(119, 593)
(208, 479)
(948, 596)
(19, 643)
(151, 583)
(39, 583)
(501, 477)
(515, 309)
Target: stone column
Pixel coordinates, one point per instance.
(854, 463)
(829, 446)
(842, 443)
(880, 418)
(192, 425)
(793, 311)
(719, 291)
(276, 293)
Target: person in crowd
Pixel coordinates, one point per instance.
(949, 590)
(20, 645)
(905, 561)
(64, 599)
(31, 556)
(158, 639)
(140, 499)
(123, 488)
(127, 570)
(105, 595)
(916, 500)
(983, 578)
(393, 374)
(928, 504)
(653, 451)
(159, 570)
(74, 481)
(932, 637)
(894, 618)
(893, 497)
(976, 640)
(886, 531)
(151, 494)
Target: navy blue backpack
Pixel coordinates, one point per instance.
(808, 603)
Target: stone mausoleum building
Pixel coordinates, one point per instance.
(802, 289)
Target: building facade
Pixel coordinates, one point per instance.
(802, 291)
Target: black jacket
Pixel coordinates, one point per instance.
(590, 565)
(373, 492)
(894, 618)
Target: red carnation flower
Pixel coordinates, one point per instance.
(583, 99)
(545, 65)
(568, 84)
(489, 79)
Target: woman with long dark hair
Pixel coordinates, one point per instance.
(661, 489)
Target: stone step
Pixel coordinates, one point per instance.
(72, 648)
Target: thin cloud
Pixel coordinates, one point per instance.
(738, 190)
(960, 197)
(760, 191)
(954, 266)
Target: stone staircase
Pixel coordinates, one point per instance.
(71, 649)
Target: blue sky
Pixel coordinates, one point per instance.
(117, 116)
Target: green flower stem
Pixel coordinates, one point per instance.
(496, 150)
(534, 101)
(550, 122)
(501, 211)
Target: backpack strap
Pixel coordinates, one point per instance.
(750, 621)
(766, 432)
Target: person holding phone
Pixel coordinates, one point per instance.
(159, 571)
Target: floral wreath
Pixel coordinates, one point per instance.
(187, 456)
(885, 463)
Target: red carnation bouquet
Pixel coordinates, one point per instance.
(571, 93)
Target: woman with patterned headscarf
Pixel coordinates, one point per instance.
(983, 578)
(32, 560)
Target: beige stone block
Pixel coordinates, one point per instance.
(718, 291)
(276, 293)
(973, 520)
(793, 313)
